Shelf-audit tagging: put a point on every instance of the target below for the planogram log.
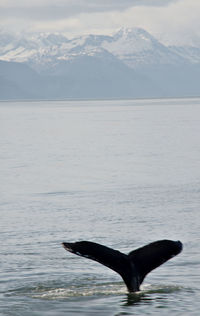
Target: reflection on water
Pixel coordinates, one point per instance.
(133, 299)
(149, 293)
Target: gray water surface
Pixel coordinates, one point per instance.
(121, 173)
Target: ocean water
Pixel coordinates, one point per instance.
(121, 173)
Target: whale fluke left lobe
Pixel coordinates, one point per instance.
(109, 257)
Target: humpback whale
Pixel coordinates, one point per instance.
(133, 267)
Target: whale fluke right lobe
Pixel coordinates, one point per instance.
(151, 256)
(132, 267)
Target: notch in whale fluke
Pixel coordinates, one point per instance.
(132, 267)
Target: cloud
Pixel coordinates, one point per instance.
(173, 21)
(178, 23)
(102, 5)
(52, 10)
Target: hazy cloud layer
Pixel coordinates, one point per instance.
(52, 10)
(171, 20)
(96, 5)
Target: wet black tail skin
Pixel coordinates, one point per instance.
(132, 267)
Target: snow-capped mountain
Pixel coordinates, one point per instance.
(137, 47)
(131, 63)
(134, 47)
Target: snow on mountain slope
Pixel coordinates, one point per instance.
(134, 47)
(137, 47)
(189, 53)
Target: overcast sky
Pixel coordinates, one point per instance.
(172, 21)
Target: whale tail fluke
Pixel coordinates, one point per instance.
(132, 267)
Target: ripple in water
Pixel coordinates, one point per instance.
(104, 289)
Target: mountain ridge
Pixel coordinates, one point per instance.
(131, 63)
